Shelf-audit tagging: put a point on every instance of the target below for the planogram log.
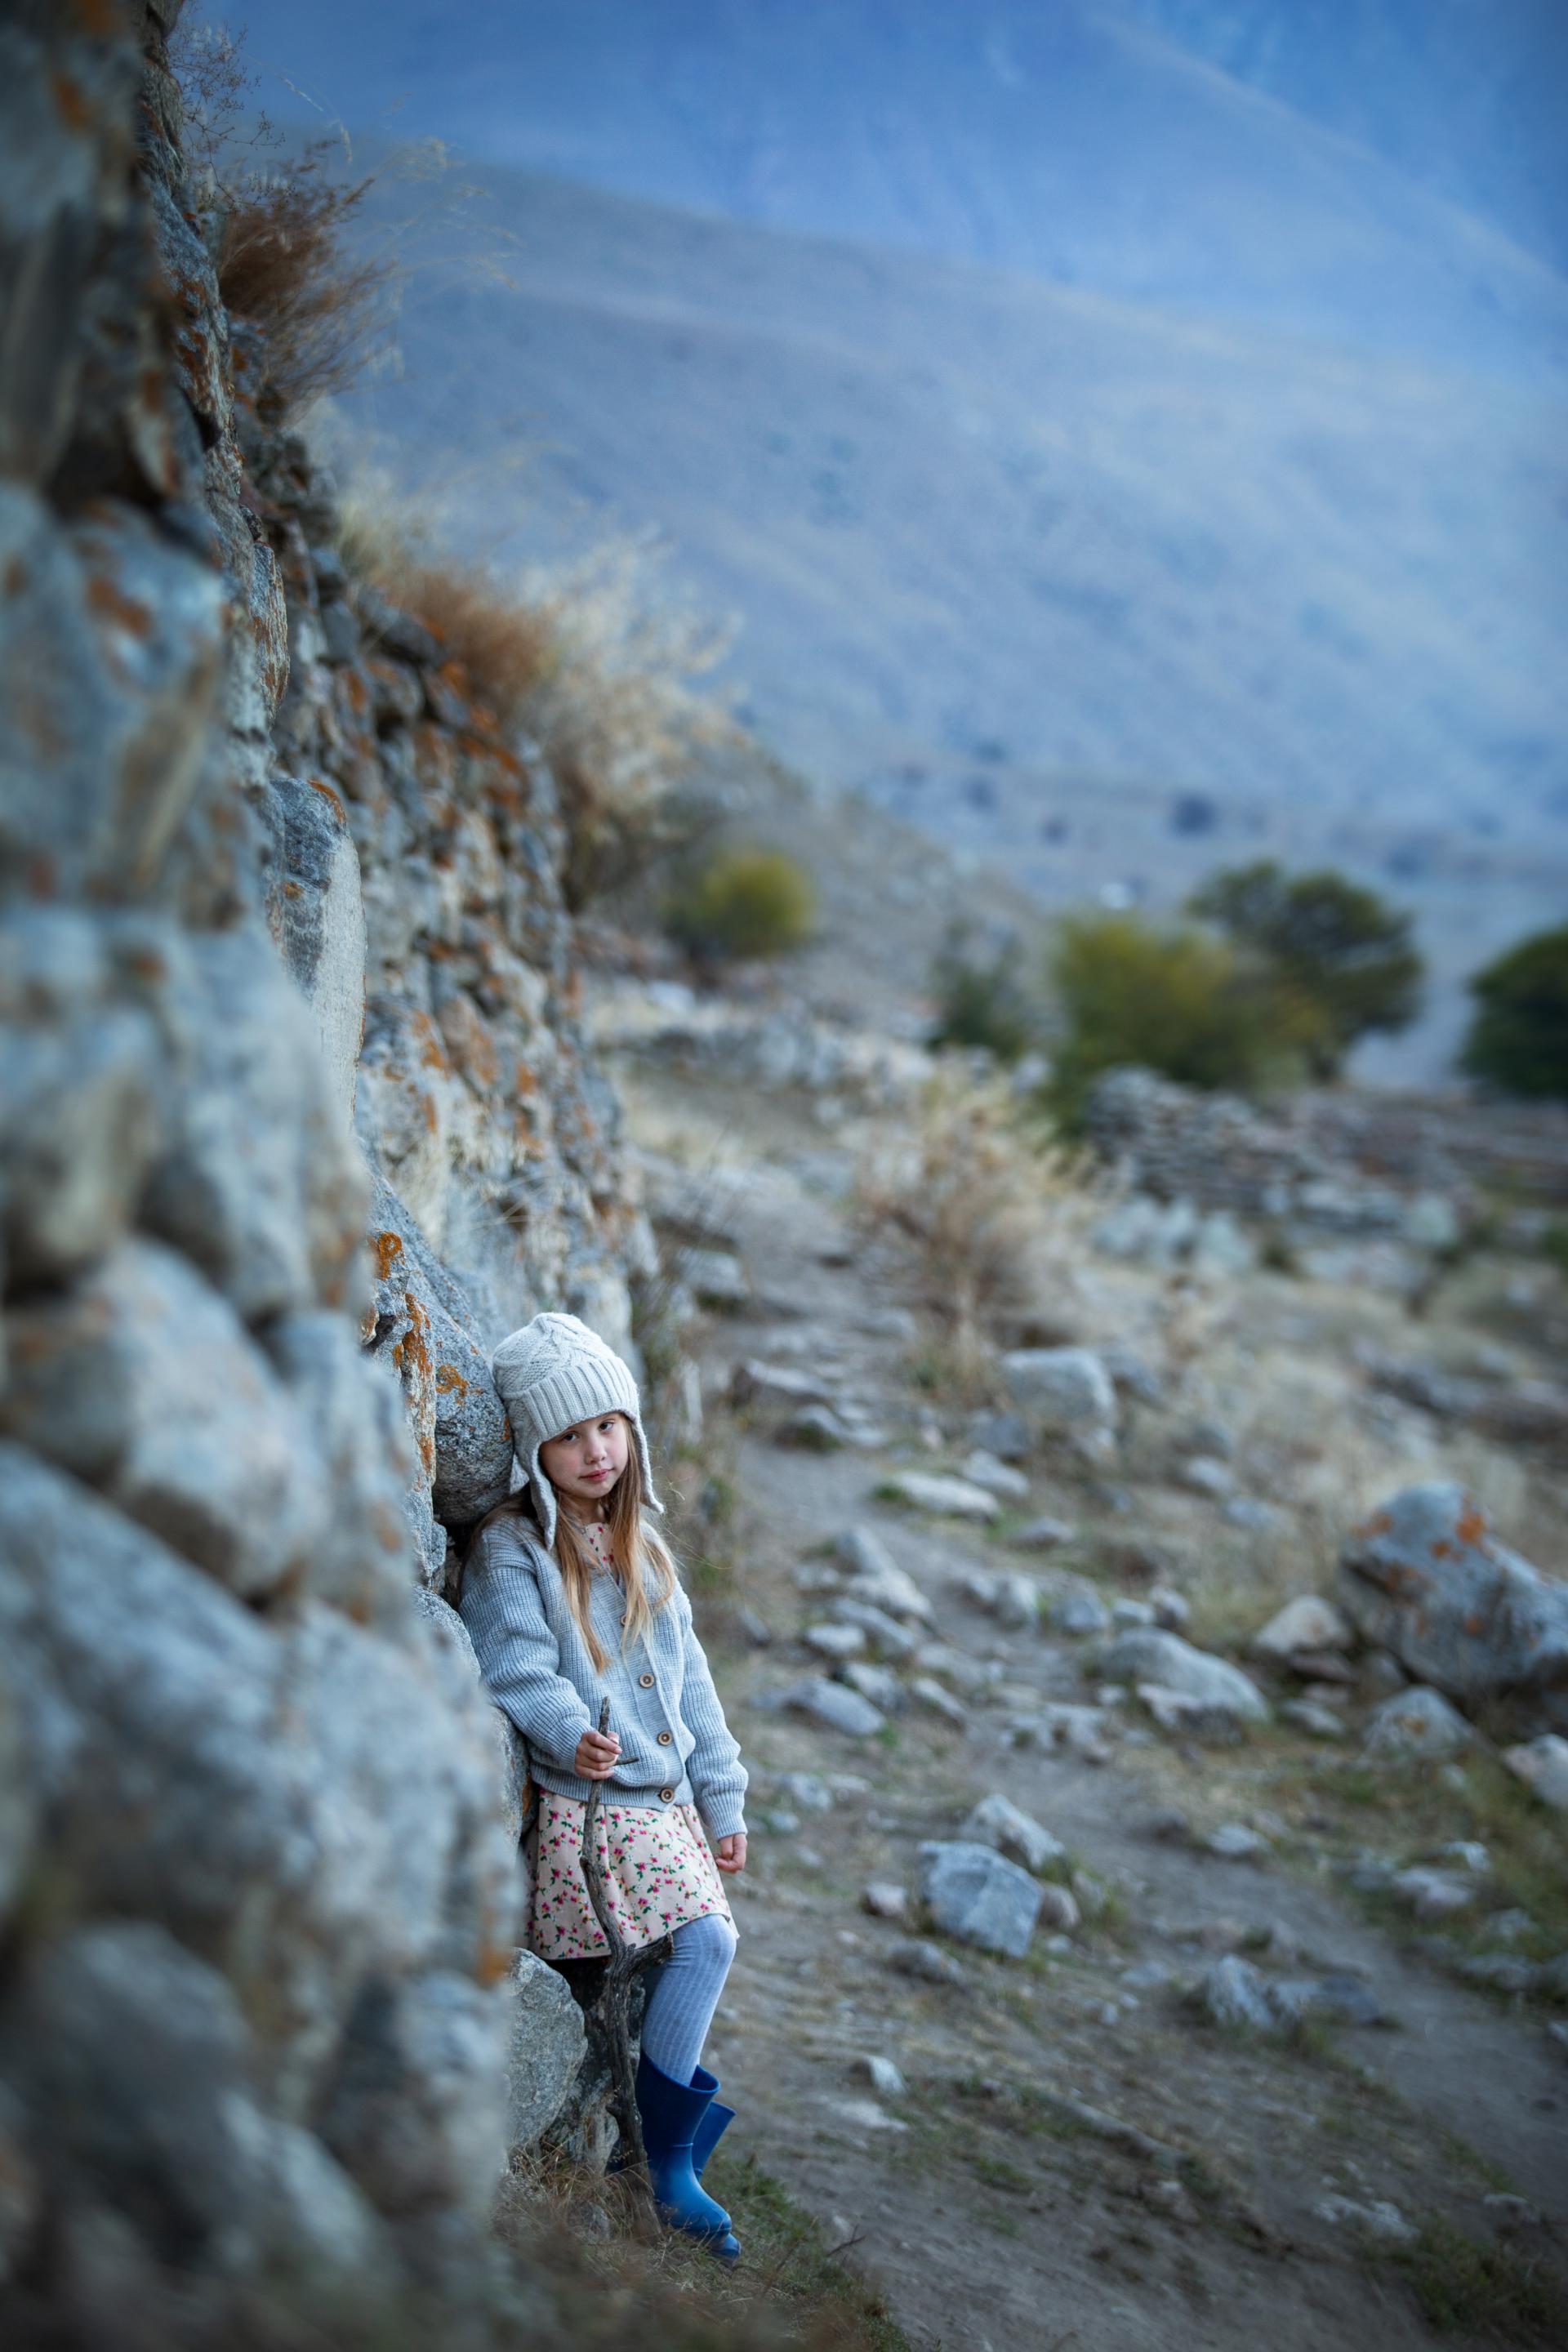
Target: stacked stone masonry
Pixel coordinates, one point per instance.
(283, 964)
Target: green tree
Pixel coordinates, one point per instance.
(980, 1000)
(1340, 946)
(1172, 999)
(743, 903)
(1519, 1036)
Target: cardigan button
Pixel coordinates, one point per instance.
(646, 1680)
(665, 1795)
(665, 1738)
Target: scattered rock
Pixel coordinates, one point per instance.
(753, 1382)
(1173, 1665)
(808, 1791)
(881, 2073)
(1434, 1895)
(1044, 1534)
(1005, 1434)
(885, 1900)
(1427, 1577)
(973, 1894)
(876, 1576)
(836, 1708)
(1126, 1616)
(716, 1279)
(1058, 1909)
(838, 1642)
(1234, 1994)
(1543, 1765)
(1205, 1474)
(881, 1684)
(1061, 1392)
(1321, 1722)
(885, 1633)
(1417, 1723)
(1337, 1998)
(1234, 1841)
(983, 1469)
(1171, 1610)
(818, 1429)
(1017, 1603)
(1384, 2223)
(1259, 1519)
(1082, 1611)
(943, 1497)
(940, 1701)
(917, 1958)
(996, 1821)
(1304, 1624)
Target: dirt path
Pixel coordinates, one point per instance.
(991, 2218)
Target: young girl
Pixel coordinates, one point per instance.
(571, 1597)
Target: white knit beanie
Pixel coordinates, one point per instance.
(551, 1374)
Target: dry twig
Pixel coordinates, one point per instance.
(626, 1963)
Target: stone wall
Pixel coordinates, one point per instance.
(282, 962)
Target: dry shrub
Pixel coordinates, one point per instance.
(1001, 1217)
(616, 716)
(507, 649)
(284, 266)
(592, 662)
(281, 228)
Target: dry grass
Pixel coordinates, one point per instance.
(285, 267)
(593, 663)
(999, 1217)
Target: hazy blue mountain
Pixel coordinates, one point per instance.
(1106, 591)
(1468, 97)
(1059, 138)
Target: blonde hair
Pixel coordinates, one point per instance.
(642, 1559)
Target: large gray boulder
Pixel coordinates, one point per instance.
(107, 664)
(425, 1328)
(1427, 1578)
(134, 2058)
(997, 1822)
(316, 915)
(973, 1894)
(302, 1802)
(546, 2047)
(79, 1082)
(143, 1382)
(1061, 1392)
(416, 2110)
(1147, 1656)
(258, 1179)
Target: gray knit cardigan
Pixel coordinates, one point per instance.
(676, 1747)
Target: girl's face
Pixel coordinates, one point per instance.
(583, 1463)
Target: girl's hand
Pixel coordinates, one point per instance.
(731, 1854)
(596, 1754)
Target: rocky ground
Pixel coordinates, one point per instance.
(1232, 2078)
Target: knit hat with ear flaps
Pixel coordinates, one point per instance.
(551, 1374)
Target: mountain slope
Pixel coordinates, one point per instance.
(1060, 140)
(1018, 559)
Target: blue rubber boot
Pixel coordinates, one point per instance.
(712, 2127)
(672, 2114)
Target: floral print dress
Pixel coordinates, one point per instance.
(658, 1869)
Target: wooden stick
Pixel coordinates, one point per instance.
(614, 2003)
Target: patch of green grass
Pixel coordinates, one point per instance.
(1490, 2291)
(788, 2250)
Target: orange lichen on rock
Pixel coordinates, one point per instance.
(327, 794)
(386, 1249)
(450, 1381)
(1471, 1524)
